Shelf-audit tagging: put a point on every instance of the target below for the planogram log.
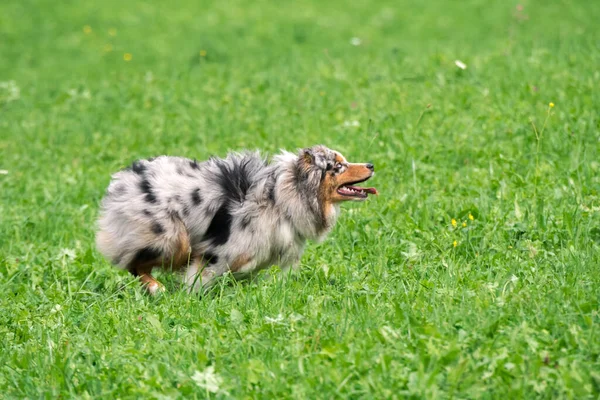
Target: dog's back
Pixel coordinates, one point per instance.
(153, 203)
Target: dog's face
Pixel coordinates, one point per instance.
(337, 176)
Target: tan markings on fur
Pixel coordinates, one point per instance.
(239, 262)
(305, 163)
(175, 261)
(307, 160)
(181, 254)
(150, 284)
(354, 172)
(326, 191)
(144, 272)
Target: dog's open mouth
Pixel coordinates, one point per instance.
(357, 192)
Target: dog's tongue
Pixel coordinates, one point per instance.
(369, 190)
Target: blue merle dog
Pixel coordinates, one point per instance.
(239, 214)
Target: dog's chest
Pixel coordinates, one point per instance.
(285, 247)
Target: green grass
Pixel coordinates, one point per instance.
(388, 306)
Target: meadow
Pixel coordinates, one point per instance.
(474, 274)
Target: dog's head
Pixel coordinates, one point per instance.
(336, 176)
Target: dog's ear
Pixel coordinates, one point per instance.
(308, 156)
(314, 156)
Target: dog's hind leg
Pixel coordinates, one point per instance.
(141, 266)
(151, 285)
(172, 253)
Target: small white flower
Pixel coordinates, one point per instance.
(9, 91)
(67, 253)
(208, 380)
(353, 124)
(275, 320)
(3, 172)
(296, 317)
(390, 334)
(77, 94)
(460, 64)
(413, 253)
(56, 308)
(355, 41)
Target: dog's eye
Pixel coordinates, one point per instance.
(338, 166)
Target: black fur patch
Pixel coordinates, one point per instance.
(196, 199)
(211, 258)
(147, 189)
(157, 228)
(144, 255)
(147, 213)
(194, 164)
(138, 167)
(235, 180)
(271, 194)
(151, 159)
(323, 174)
(220, 227)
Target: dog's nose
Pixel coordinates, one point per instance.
(370, 166)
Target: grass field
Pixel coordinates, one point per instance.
(475, 273)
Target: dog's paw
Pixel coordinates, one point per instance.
(155, 288)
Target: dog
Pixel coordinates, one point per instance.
(239, 214)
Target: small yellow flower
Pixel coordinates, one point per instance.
(112, 32)
(108, 48)
(471, 217)
(455, 243)
(510, 247)
(551, 105)
(127, 57)
(464, 224)
(202, 53)
(453, 222)
(87, 29)
(322, 93)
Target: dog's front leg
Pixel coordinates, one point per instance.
(289, 269)
(197, 276)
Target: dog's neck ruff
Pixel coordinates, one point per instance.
(299, 199)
